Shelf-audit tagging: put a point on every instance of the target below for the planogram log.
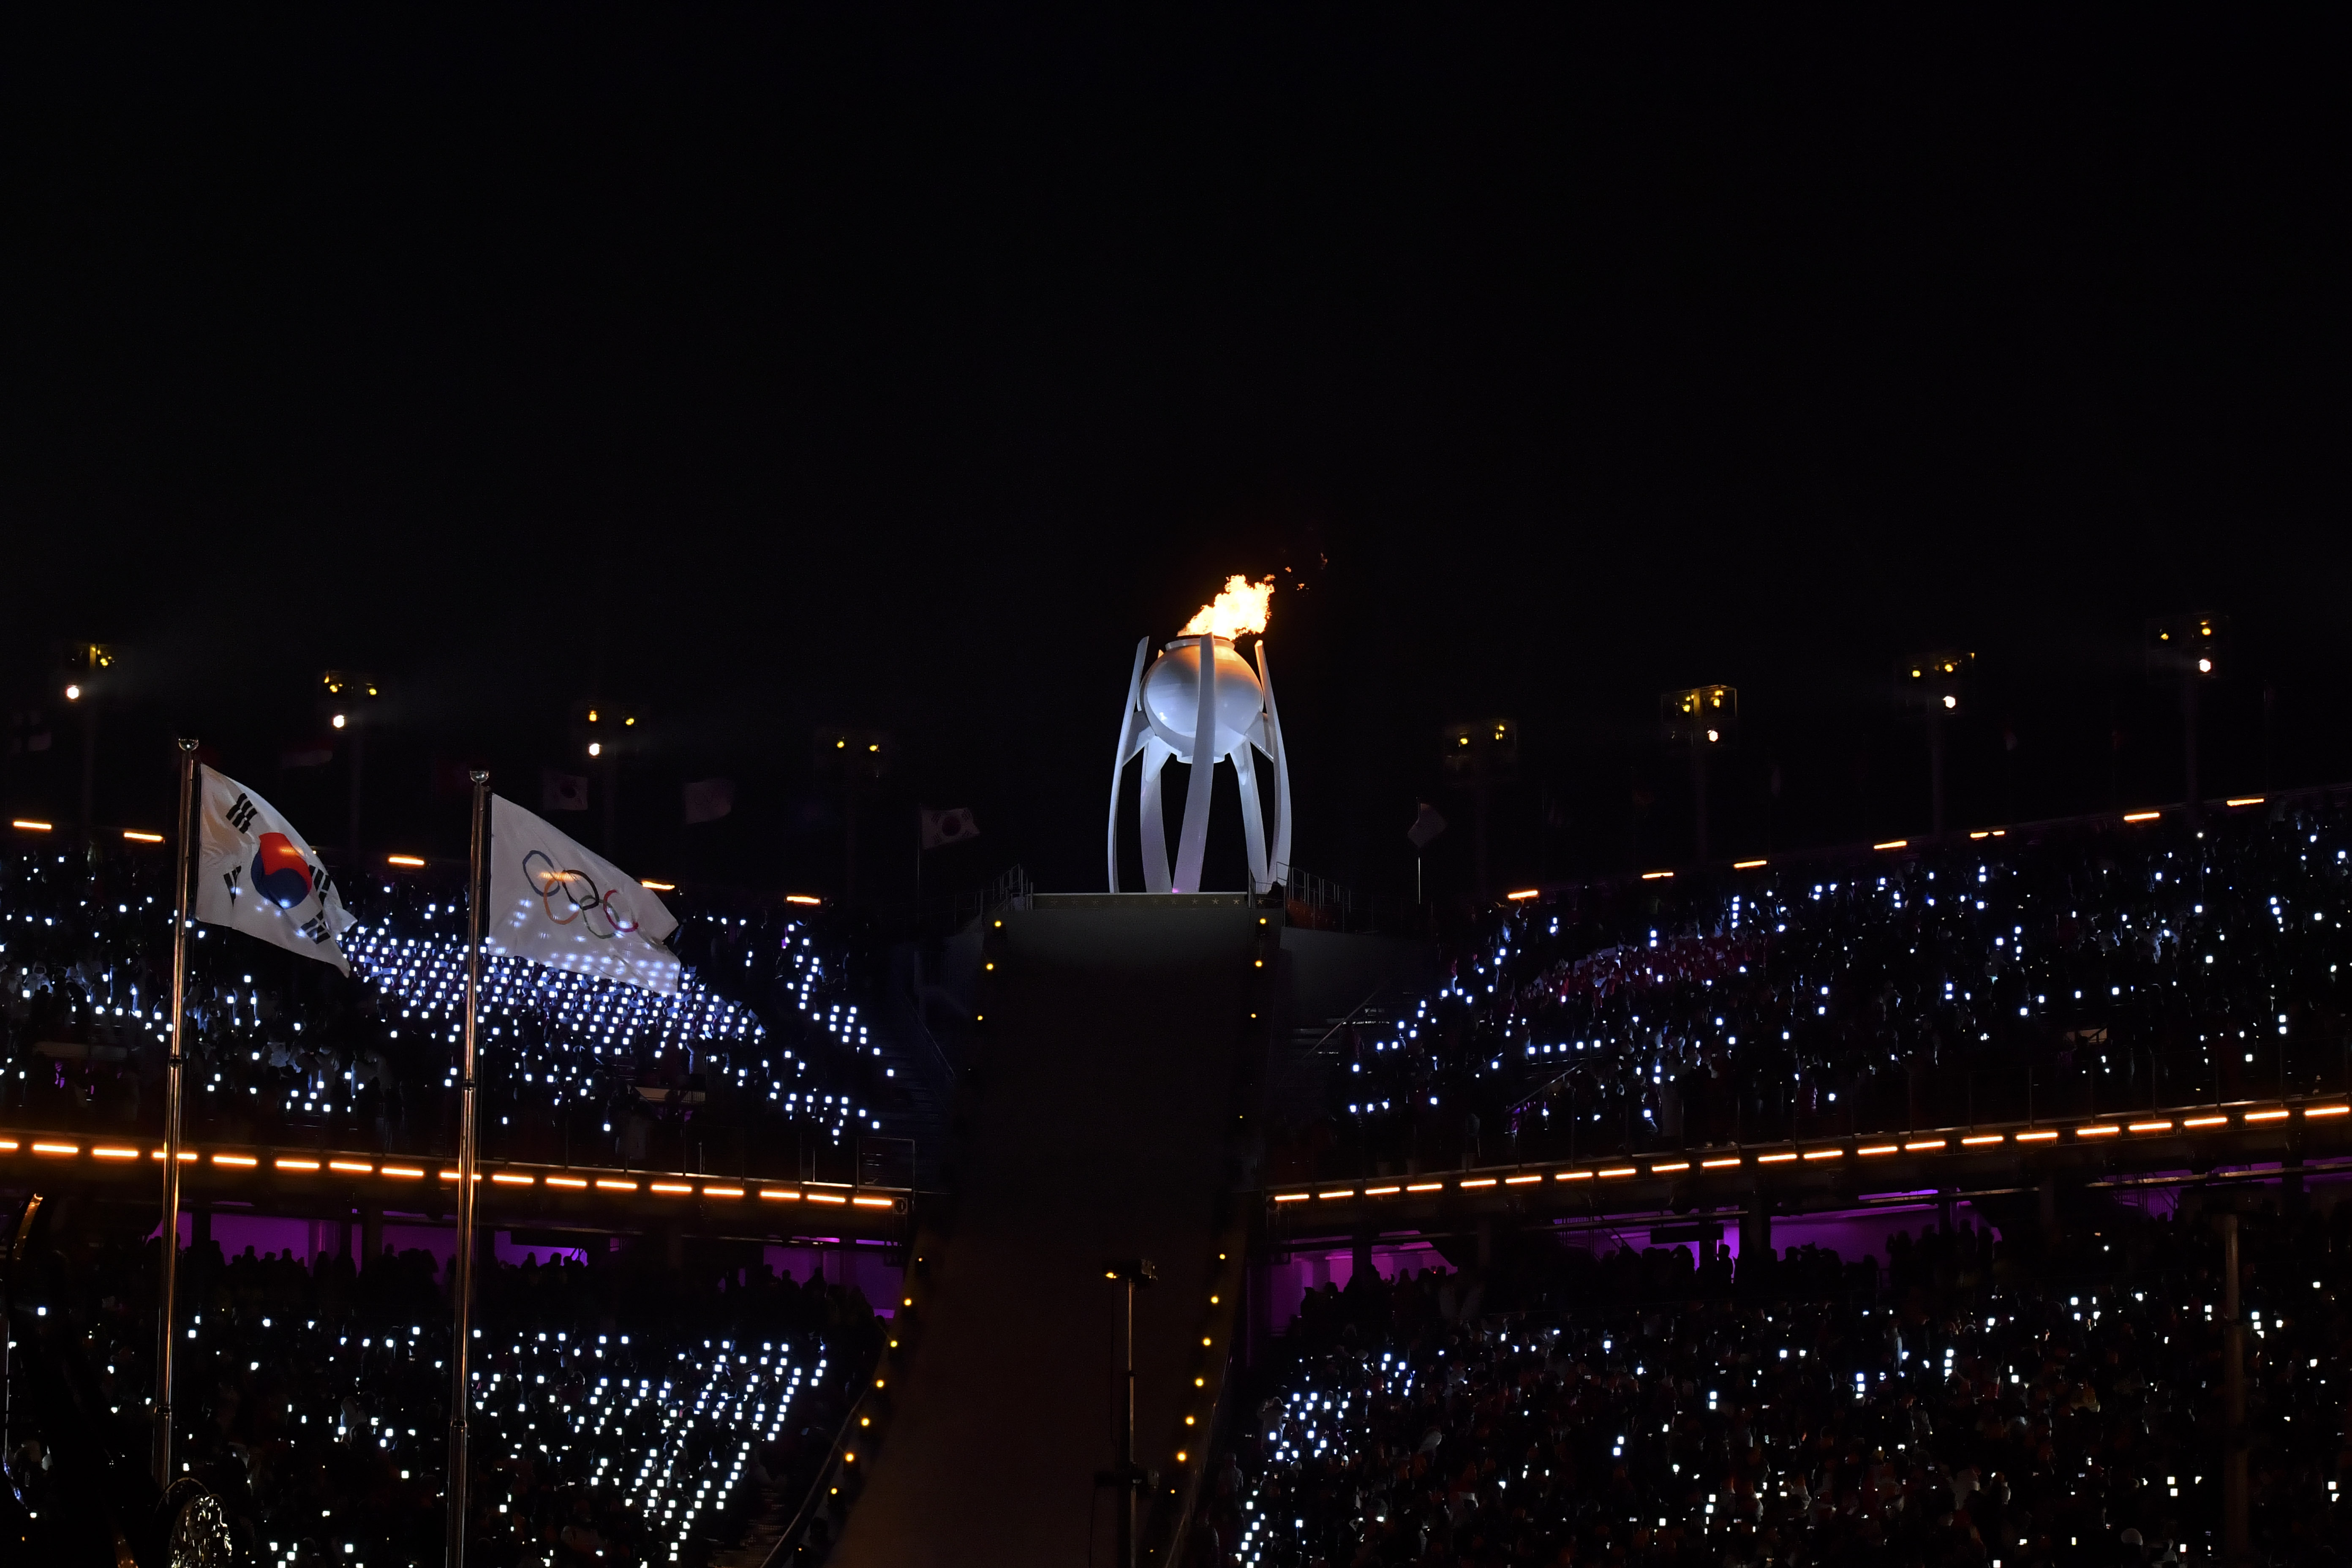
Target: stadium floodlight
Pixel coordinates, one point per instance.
(852, 758)
(1699, 721)
(85, 669)
(2192, 649)
(1936, 685)
(1476, 756)
(345, 696)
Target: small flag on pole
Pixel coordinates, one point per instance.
(257, 875)
(556, 903)
(952, 826)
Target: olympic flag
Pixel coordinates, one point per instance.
(256, 875)
(555, 904)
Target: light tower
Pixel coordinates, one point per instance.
(1200, 704)
(1935, 684)
(2194, 648)
(1699, 719)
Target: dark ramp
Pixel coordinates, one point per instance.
(1103, 1127)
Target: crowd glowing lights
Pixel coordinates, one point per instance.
(1240, 609)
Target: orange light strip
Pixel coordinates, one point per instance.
(356, 1167)
(1480, 1181)
(826, 1198)
(573, 1184)
(659, 887)
(2151, 1127)
(1719, 1165)
(1926, 1143)
(1382, 1192)
(722, 1192)
(2311, 1110)
(871, 1203)
(2244, 800)
(1278, 1197)
(672, 1189)
(2036, 1137)
(243, 1162)
(1780, 1159)
(1573, 1176)
(1981, 1139)
(785, 1195)
(605, 1184)
(2095, 1132)
(507, 1179)
(1658, 1170)
(1619, 1171)
(2142, 815)
(136, 837)
(1523, 894)
(105, 1153)
(1423, 1186)
(61, 1149)
(1519, 1180)
(2251, 1116)
(404, 1172)
(2207, 1121)
(1746, 865)
(33, 826)
(296, 1165)
(808, 899)
(1658, 875)
(404, 859)
(9, 1146)
(1349, 1193)
(1824, 1153)
(152, 1153)
(1876, 1149)
(1894, 844)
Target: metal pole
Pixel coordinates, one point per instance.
(1698, 798)
(2233, 1403)
(1128, 1485)
(357, 766)
(1935, 770)
(166, 1312)
(2188, 739)
(462, 1264)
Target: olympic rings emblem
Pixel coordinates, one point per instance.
(571, 896)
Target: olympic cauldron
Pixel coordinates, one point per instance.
(1200, 703)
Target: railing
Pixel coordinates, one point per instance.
(1011, 890)
(1319, 903)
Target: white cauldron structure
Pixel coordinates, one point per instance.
(1200, 714)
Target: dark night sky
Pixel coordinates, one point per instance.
(770, 370)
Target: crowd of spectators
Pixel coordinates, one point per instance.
(761, 1064)
(1972, 1403)
(629, 1412)
(2067, 970)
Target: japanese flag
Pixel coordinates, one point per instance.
(255, 874)
(555, 904)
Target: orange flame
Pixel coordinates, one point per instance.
(1241, 608)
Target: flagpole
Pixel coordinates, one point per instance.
(174, 1059)
(462, 1264)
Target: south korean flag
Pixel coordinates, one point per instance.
(254, 873)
